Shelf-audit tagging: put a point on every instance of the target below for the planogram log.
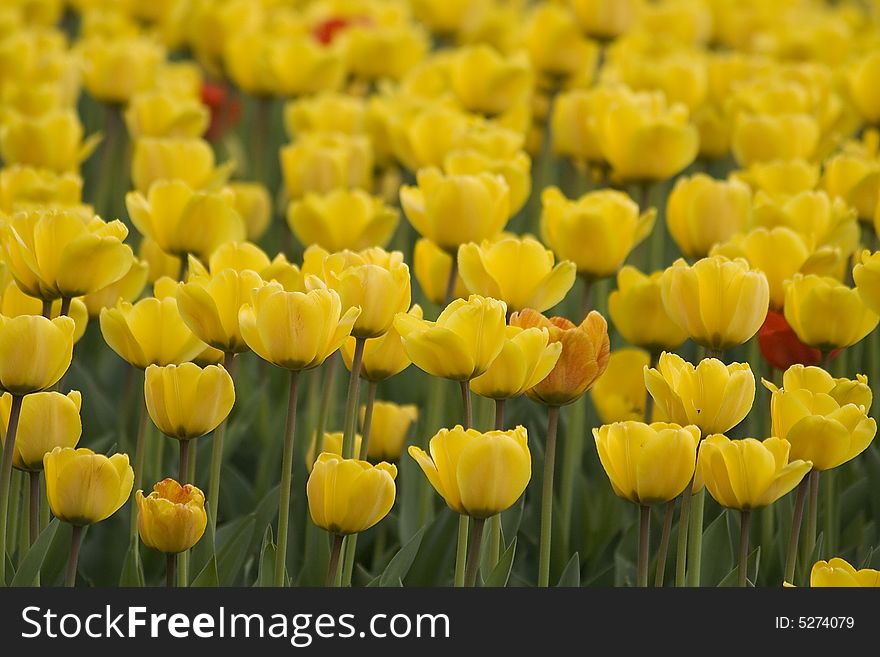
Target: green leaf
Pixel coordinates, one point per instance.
(718, 558)
(55, 561)
(754, 565)
(434, 561)
(208, 576)
(501, 572)
(132, 568)
(233, 549)
(571, 574)
(203, 551)
(267, 559)
(33, 560)
(400, 563)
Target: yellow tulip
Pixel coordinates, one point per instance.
(854, 175)
(15, 303)
(84, 488)
(22, 187)
(149, 332)
(238, 256)
(189, 161)
(432, 266)
(342, 219)
(375, 52)
(825, 313)
(287, 274)
(637, 310)
(606, 19)
(583, 359)
(619, 395)
(515, 169)
(253, 203)
(157, 114)
(748, 474)
(575, 120)
(648, 463)
(159, 263)
(48, 420)
(839, 573)
(555, 42)
(643, 138)
(596, 231)
(484, 81)
(51, 141)
(864, 81)
(326, 112)
(172, 518)
(866, 275)
(54, 253)
(128, 288)
(420, 136)
(478, 474)
(713, 396)
(687, 21)
(764, 137)
(388, 429)
(187, 401)
(455, 209)
(461, 344)
(526, 359)
(295, 330)
(445, 16)
(36, 352)
(384, 356)
(702, 211)
(347, 496)
(780, 177)
(319, 162)
(182, 221)
(116, 69)
(718, 321)
(332, 444)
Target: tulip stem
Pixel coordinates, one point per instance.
(812, 514)
(139, 453)
(644, 544)
(466, 404)
(183, 466)
(473, 561)
(333, 566)
(75, 542)
(663, 550)
(695, 539)
(499, 414)
(286, 481)
(681, 546)
(65, 307)
(649, 400)
(324, 406)
(170, 570)
(450, 282)
(352, 399)
(217, 441)
(461, 552)
(47, 309)
(796, 520)
(547, 497)
(744, 526)
(368, 419)
(34, 507)
(350, 550)
(495, 521)
(586, 295)
(6, 478)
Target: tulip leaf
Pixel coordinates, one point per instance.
(132, 568)
(501, 572)
(267, 559)
(233, 541)
(208, 576)
(55, 560)
(718, 559)
(751, 571)
(433, 563)
(203, 551)
(571, 574)
(400, 563)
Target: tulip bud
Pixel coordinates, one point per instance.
(156, 114)
(48, 420)
(636, 308)
(36, 352)
(186, 401)
(619, 394)
(839, 573)
(52, 140)
(84, 488)
(389, 427)
(116, 69)
(172, 518)
(432, 266)
(384, 356)
(188, 161)
(331, 444)
(320, 163)
(342, 219)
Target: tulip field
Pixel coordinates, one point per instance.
(433, 293)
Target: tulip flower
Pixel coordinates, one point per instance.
(486, 82)
(702, 211)
(780, 177)
(455, 209)
(780, 345)
(854, 175)
(163, 114)
(432, 267)
(189, 161)
(575, 120)
(825, 313)
(596, 231)
(238, 256)
(389, 426)
(384, 356)
(47, 420)
(116, 69)
(421, 136)
(320, 163)
(128, 288)
(382, 52)
(22, 187)
(765, 137)
(838, 572)
(719, 302)
(637, 310)
(619, 395)
(342, 219)
(515, 169)
(555, 43)
(253, 203)
(331, 443)
(53, 140)
(443, 16)
(326, 112)
(15, 303)
(866, 275)
(606, 19)
(36, 352)
(863, 84)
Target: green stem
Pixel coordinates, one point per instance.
(47, 309)
(368, 419)
(466, 404)
(663, 550)
(461, 551)
(183, 461)
(65, 307)
(681, 545)
(830, 532)
(170, 570)
(34, 507)
(547, 497)
(499, 414)
(586, 295)
(450, 281)
(75, 543)
(433, 419)
(649, 400)
(743, 571)
(324, 407)
(352, 399)
(644, 544)
(6, 477)
(796, 521)
(286, 482)
(217, 456)
(186, 464)
(335, 549)
(695, 539)
(139, 453)
(812, 515)
(572, 459)
(349, 552)
(473, 560)
(495, 521)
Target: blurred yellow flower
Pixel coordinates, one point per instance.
(322, 162)
(389, 427)
(342, 219)
(157, 114)
(637, 310)
(619, 394)
(186, 160)
(253, 203)
(485, 81)
(384, 356)
(116, 69)
(52, 141)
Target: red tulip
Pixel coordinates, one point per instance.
(225, 109)
(781, 347)
(326, 30)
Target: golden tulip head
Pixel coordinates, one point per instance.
(326, 112)
(478, 474)
(209, 306)
(190, 161)
(516, 169)
(239, 256)
(644, 139)
(253, 203)
(15, 303)
(22, 187)
(648, 463)
(702, 211)
(864, 82)
(780, 177)
(128, 288)
(606, 19)
(619, 394)
(446, 16)
(149, 332)
(36, 352)
(375, 52)
(717, 321)
(48, 420)
(159, 263)
(486, 82)
(54, 253)
(713, 396)
(347, 496)
(854, 175)
(295, 330)
(825, 313)
(321, 162)
(838, 572)
(575, 120)
(163, 114)
(84, 488)
(53, 141)
(596, 231)
(420, 136)
(555, 42)
(461, 344)
(765, 137)
(748, 474)
(172, 518)
(116, 69)
(182, 221)
(332, 444)
(455, 209)
(637, 310)
(187, 401)
(384, 356)
(342, 219)
(866, 275)
(389, 427)
(432, 267)
(584, 356)
(526, 359)
(518, 271)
